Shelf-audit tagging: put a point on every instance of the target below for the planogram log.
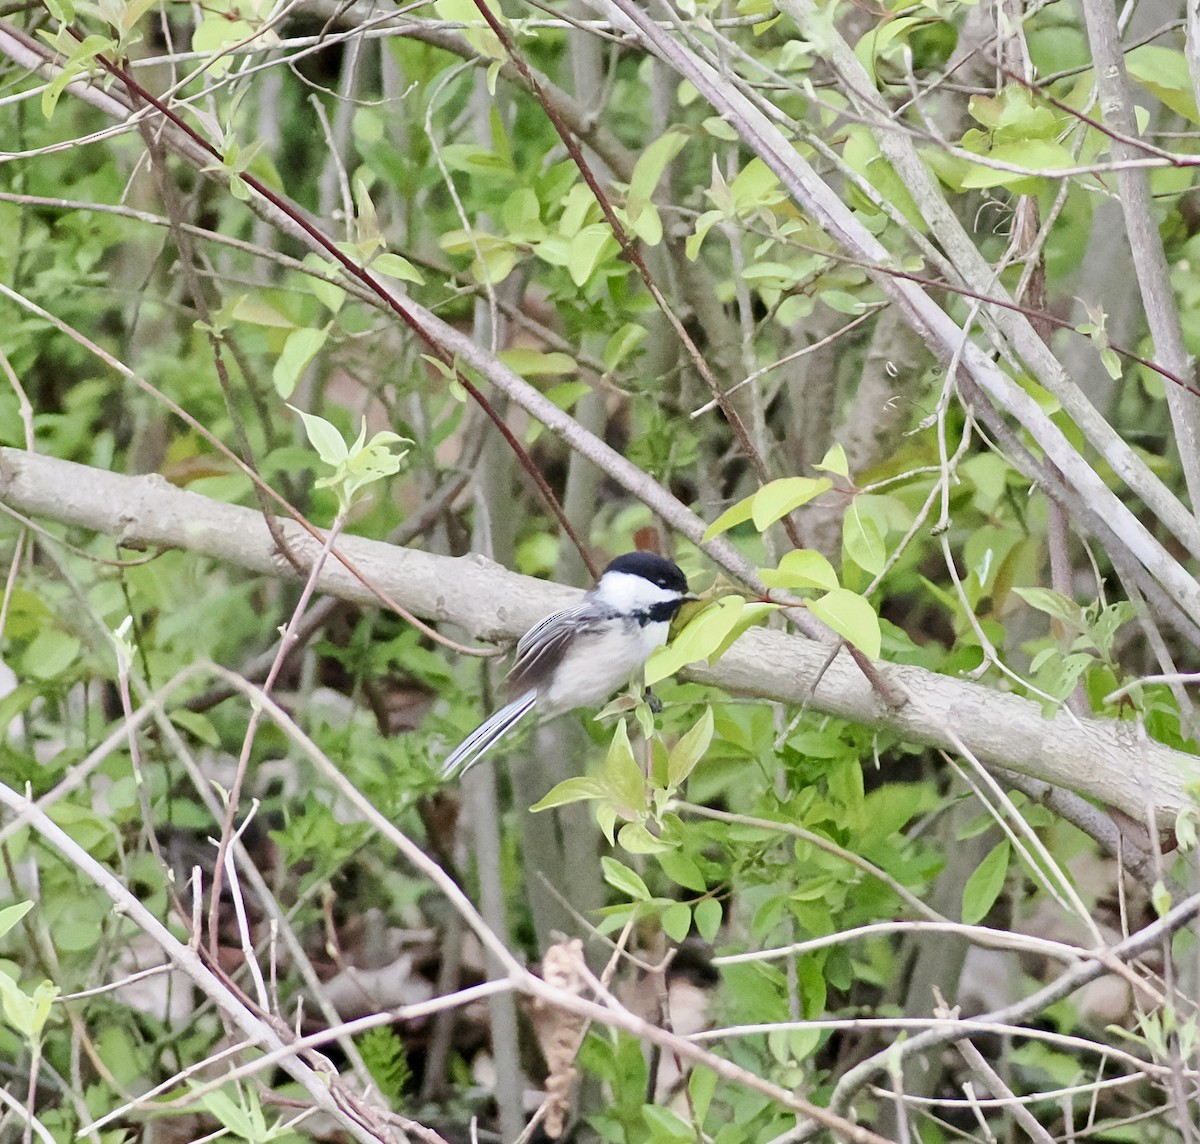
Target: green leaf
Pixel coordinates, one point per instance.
(624, 880)
(755, 187)
(16, 1006)
(229, 1113)
(255, 310)
(848, 614)
(477, 32)
(648, 226)
(606, 819)
(835, 461)
(10, 915)
(695, 240)
(635, 838)
(78, 62)
(586, 250)
(1111, 360)
(354, 466)
(1160, 898)
(1185, 835)
(96, 833)
(683, 871)
(622, 777)
(708, 916)
(329, 294)
(27, 1013)
(707, 636)
(50, 654)
(690, 749)
(216, 31)
(881, 35)
(734, 515)
(699, 639)
(777, 498)
(577, 789)
(298, 351)
(984, 885)
(664, 1123)
(534, 363)
(324, 437)
(386, 1058)
(623, 343)
(862, 154)
(677, 921)
(1164, 73)
(1056, 605)
(863, 542)
(43, 998)
(648, 170)
(801, 568)
(1034, 156)
(200, 726)
(701, 1086)
(396, 266)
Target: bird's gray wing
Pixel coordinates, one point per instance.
(541, 649)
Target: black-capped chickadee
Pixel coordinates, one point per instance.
(578, 657)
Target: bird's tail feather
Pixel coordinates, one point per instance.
(486, 735)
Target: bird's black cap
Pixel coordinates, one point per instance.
(648, 566)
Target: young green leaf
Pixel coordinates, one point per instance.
(777, 498)
(801, 568)
(635, 838)
(534, 363)
(701, 1086)
(622, 878)
(984, 885)
(698, 640)
(708, 915)
(683, 871)
(852, 617)
(735, 514)
(50, 654)
(690, 749)
(1056, 605)
(396, 266)
(622, 777)
(578, 789)
(666, 1125)
(835, 462)
(707, 636)
(863, 542)
(677, 921)
(298, 351)
(648, 170)
(323, 436)
(354, 466)
(587, 248)
(10, 915)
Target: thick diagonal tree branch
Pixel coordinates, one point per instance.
(1105, 760)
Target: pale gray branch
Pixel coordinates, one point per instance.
(1102, 759)
(1149, 258)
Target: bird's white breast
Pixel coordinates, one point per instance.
(598, 663)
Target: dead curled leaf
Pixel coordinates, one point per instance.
(563, 1033)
